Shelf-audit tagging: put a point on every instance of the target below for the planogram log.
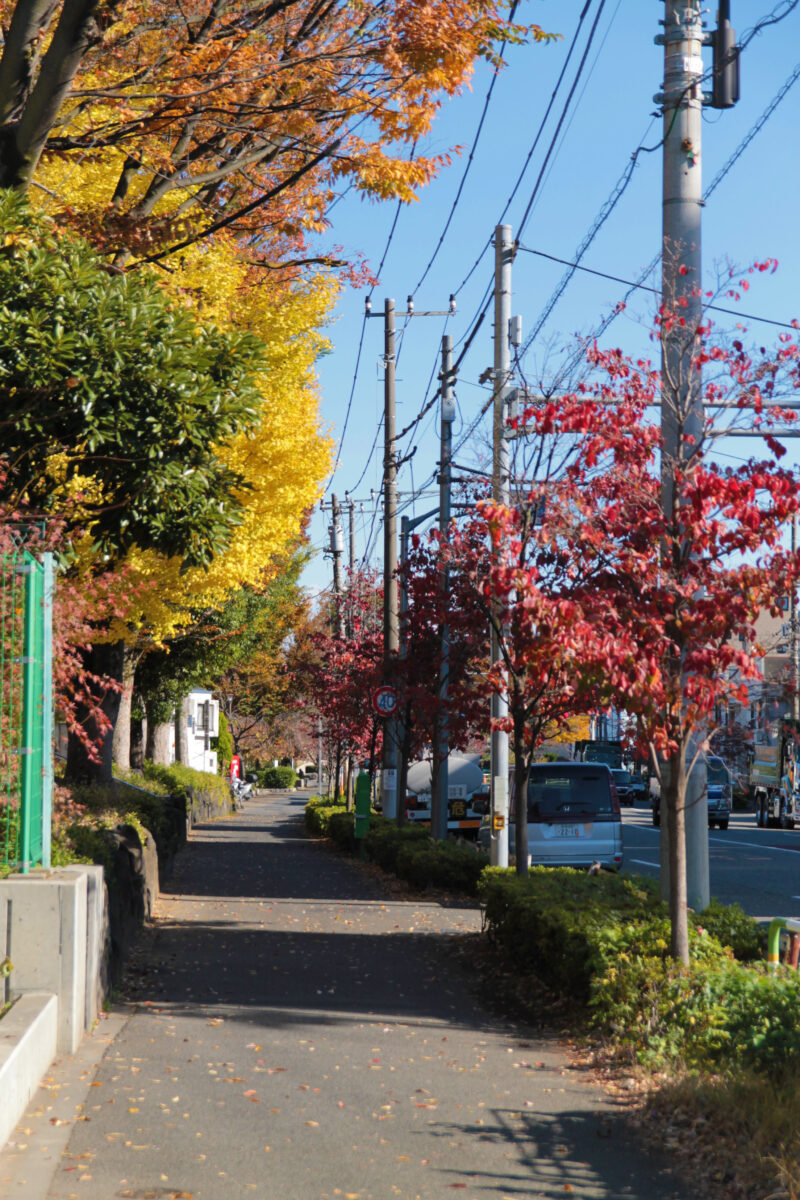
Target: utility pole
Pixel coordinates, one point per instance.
(391, 634)
(503, 258)
(351, 559)
(682, 417)
(391, 629)
(795, 652)
(337, 549)
(440, 776)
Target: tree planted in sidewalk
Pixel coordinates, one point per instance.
(673, 586)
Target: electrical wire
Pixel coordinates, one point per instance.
(561, 119)
(533, 145)
(717, 180)
(467, 166)
(361, 343)
(656, 291)
(605, 212)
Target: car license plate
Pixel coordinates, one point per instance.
(567, 831)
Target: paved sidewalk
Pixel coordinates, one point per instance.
(291, 1034)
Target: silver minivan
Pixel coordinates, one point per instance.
(574, 817)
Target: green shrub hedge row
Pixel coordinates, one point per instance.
(277, 777)
(177, 779)
(407, 851)
(605, 940)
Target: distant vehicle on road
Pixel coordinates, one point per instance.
(626, 788)
(775, 780)
(573, 817)
(719, 787)
(467, 798)
(608, 752)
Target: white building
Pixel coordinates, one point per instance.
(200, 711)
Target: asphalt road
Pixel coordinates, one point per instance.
(756, 868)
(290, 1032)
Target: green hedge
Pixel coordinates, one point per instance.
(176, 779)
(406, 851)
(605, 940)
(277, 777)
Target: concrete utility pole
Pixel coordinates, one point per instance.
(795, 651)
(351, 562)
(337, 549)
(391, 628)
(440, 772)
(503, 258)
(681, 384)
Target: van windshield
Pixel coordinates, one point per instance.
(717, 773)
(562, 794)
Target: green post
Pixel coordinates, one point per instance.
(48, 591)
(362, 809)
(29, 760)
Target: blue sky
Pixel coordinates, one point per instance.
(752, 214)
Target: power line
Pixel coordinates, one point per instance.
(656, 291)
(718, 178)
(467, 167)
(562, 118)
(605, 212)
(533, 145)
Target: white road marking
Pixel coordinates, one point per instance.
(754, 846)
(644, 863)
(731, 842)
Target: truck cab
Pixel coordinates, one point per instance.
(775, 779)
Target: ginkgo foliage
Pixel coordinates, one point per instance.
(241, 114)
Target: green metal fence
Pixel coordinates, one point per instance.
(26, 709)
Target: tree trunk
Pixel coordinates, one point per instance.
(351, 780)
(104, 660)
(372, 744)
(676, 805)
(137, 743)
(521, 773)
(338, 770)
(402, 774)
(158, 743)
(121, 745)
(182, 731)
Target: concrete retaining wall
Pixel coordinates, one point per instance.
(28, 1035)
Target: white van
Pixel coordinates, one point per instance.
(574, 817)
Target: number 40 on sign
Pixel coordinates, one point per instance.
(384, 700)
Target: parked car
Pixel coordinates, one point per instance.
(719, 787)
(573, 817)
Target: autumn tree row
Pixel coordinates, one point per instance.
(599, 593)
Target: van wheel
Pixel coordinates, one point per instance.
(723, 824)
(784, 820)
(656, 819)
(761, 816)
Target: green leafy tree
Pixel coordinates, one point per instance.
(112, 390)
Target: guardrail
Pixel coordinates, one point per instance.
(777, 926)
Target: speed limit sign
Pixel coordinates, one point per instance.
(384, 700)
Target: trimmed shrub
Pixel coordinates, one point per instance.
(318, 813)
(605, 940)
(277, 777)
(178, 779)
(423, 863)
(730, 924)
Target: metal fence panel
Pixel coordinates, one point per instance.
(26, 710)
